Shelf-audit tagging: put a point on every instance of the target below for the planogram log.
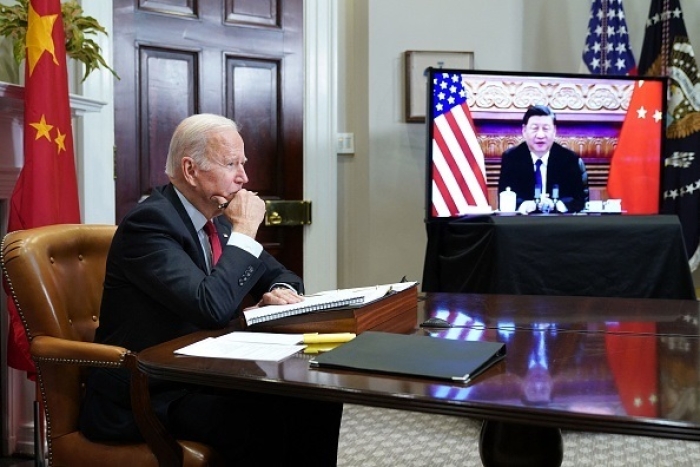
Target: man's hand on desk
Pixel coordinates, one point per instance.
(546, 205)
(279, 296)
(527, 207)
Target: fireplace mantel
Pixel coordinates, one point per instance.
(11, 127)
(12, 100)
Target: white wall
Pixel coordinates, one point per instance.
(95, 140)
(554, 32)
(381, 188)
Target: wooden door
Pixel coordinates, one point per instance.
(239, 58)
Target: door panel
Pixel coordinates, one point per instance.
(163, 74)
(239, 58)
(256, 12)
(252, 91)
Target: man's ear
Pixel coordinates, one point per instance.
(189, 170)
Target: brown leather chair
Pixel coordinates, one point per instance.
(55, 276)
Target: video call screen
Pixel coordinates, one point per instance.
(474, 116)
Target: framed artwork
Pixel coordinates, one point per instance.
(416, 63)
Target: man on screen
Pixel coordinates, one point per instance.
(543, 174)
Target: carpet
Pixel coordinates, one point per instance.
(372, 437)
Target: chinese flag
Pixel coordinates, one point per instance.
(635, 170)
(46, 191)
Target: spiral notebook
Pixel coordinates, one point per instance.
(323, 301)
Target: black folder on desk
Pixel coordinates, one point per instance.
(425, 356)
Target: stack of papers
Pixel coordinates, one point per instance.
(260, 346)
(324, 301)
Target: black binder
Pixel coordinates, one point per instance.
(425, 356)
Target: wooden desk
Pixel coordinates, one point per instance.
(559, 373)
(599, 255)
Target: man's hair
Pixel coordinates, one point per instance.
(190, 138)
(539, 111)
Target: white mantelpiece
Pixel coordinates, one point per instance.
(12, 97)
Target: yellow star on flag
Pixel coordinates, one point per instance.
(39, 37)
(60, 141)
(42, 128)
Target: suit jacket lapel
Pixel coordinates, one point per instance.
(170, 195)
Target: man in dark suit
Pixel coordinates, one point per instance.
(540, 169)
(164, 280)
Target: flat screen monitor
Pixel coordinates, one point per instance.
(615, 125)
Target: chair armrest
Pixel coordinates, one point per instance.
(54, 349)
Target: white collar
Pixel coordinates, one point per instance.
(198, 219)
(544, 159)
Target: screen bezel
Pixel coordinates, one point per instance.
(491, 182)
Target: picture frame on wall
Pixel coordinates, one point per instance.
(416, 63)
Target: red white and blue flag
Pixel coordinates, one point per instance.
(607, 50)
(458, 171)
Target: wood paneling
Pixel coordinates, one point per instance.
(239, 58)
(252, 90)
(167, 81)
(253, 12)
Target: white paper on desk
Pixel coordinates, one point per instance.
(372, 292)
(326, 300)
(214, 348)
(375, 292)
(262, 337)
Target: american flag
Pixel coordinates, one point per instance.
(458, 173)
(607, 50)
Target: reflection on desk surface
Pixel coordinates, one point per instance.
(619, 357)
(580, 314)
(631, 373)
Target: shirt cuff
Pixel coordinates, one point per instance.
(246, 243)
(282, 285)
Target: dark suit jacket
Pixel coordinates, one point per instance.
(156, 289)
(564, 168)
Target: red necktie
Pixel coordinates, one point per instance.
(214, 241)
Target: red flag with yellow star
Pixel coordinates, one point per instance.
(635, 171)
(46, 191)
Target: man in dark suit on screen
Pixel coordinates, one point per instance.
(172, 271)
(544, 175)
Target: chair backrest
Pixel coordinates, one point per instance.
(55, 275)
